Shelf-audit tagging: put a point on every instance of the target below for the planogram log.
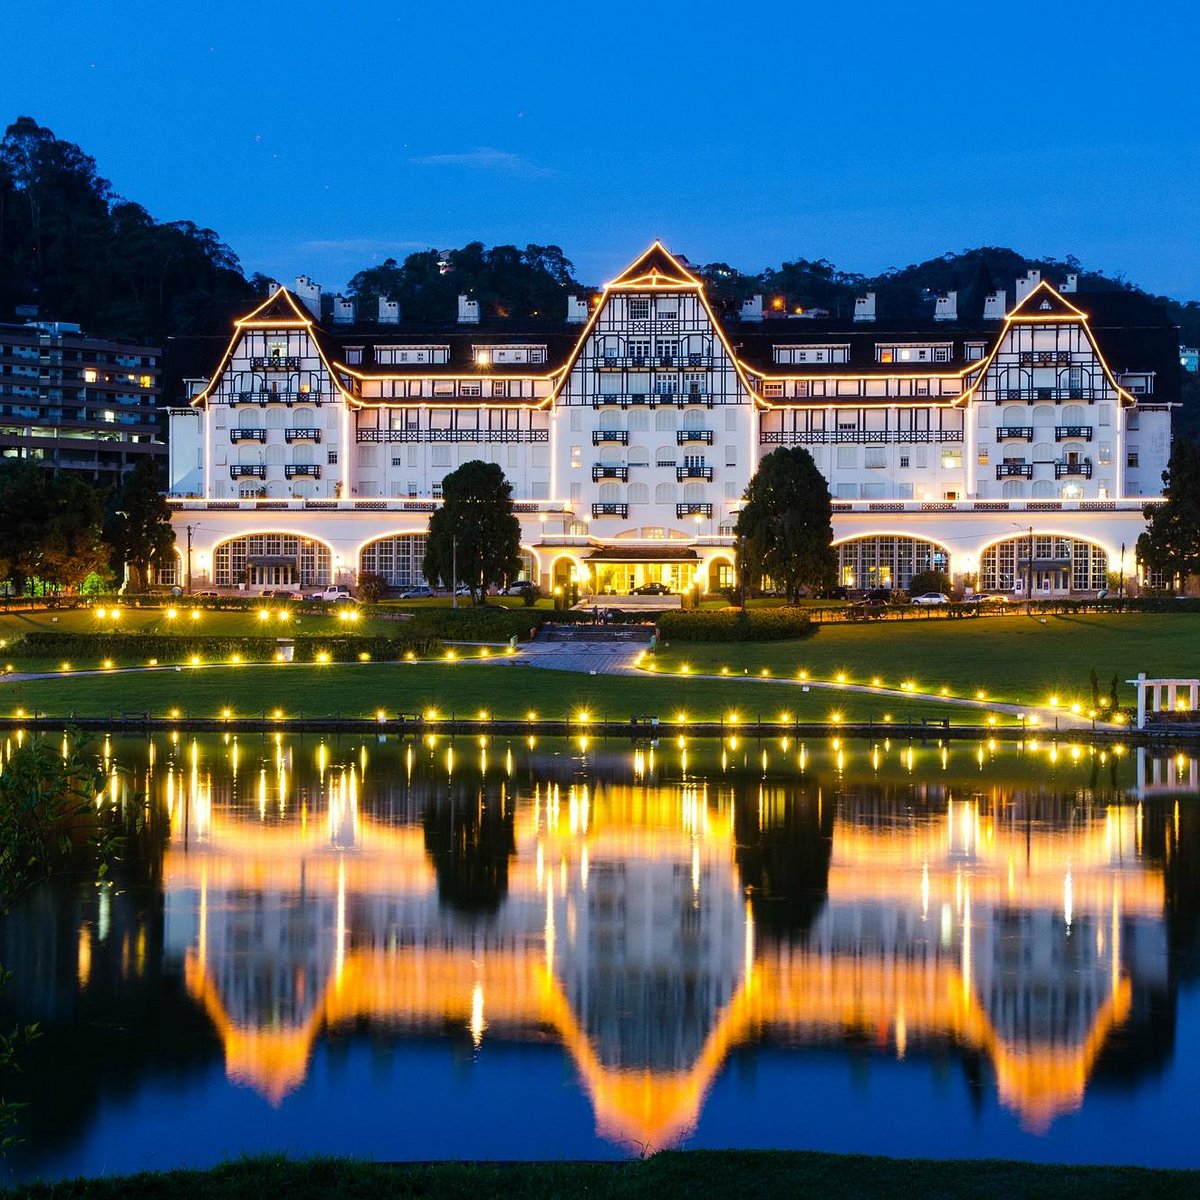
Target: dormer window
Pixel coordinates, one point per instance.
(354, 356)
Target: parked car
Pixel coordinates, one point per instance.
(880, 593)
(651, 589)
(277, 594)
(927, 598)
(335, 591)
(519, 588)
(986, 598)
(420, 591)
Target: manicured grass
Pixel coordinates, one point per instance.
(697, 1174)
(1016, 658)
(210, 622)
(460, 688)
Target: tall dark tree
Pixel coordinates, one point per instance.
(70, 548)
(23, 505)
(138, 525)
(475, 536)
(1171, 543)
(785, 528)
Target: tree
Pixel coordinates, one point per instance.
(930, 581)
(785, 528)
(474, 531)
(1171, 543)
(70, 548)
(138, 528)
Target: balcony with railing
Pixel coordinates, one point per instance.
(609, 471)
(618, 437)
(299, 434)
(247, 435)
(1082, 468)
(291, 470)
(683, 436)
(275, 362)
(1045, 358)
(248, 471)
(1019, 470)
(1014, 433)
(1081, 433)
(861, 437)
(693, 510)
(694, 472)
(610, 510)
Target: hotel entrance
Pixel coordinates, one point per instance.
(620, 571)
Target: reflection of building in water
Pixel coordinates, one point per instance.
(656, 927)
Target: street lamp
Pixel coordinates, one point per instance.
(189, 529)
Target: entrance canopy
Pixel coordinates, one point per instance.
(643, 554)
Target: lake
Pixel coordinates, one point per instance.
(530, 950)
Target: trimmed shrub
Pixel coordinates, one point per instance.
(126, 649)
(735, 625)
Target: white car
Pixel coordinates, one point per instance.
(419, 591)
(333, 592)
(926, 598)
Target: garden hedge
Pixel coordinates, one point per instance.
(735, 625)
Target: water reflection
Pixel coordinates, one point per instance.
(653, 910)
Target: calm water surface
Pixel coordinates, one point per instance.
(404, 950)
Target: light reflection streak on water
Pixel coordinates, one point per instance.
(669, 854)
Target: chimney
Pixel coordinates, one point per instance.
(994, 305)
(468, 311)
(1026, 283)
(1071, 284)
(343, 310)
(310, 294)
(752, 308)
(864, 307)
(389, 311)
(946, 308)
(577, 311)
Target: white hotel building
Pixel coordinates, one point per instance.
(630, 432)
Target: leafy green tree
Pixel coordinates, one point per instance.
(1171, 543)
(23, 506)
(138, 525)
(476, 529)
(785, 528)
(70, 547)
(930, 581)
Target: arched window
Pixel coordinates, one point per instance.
(664, 419)
(1013, 489)
(1043, 415)
(639, 493)
(664, 493)
(1043, 489)
(1014, 415)
(398, 559)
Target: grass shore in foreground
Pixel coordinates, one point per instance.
(452, 689)
(1013, 658)
(697, 1174)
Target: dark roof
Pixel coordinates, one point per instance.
(558, 337)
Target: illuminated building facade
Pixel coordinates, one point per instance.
(73, 402)
(1016, 451)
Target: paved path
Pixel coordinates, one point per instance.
(588, 658)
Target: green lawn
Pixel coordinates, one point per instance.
(698, 1174)
(209, 622)
(1023, 659)
(461, 688)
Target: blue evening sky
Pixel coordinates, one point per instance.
(324, 137)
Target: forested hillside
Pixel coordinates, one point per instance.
(72, 247)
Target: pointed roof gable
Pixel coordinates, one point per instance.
(279, 308)
(657, 267)
(1044, 303)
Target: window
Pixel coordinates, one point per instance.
(470, 387)
(772, 390)
(904, 461)
(354, 355)
(639, 309)
(876, 458)
(951, 460)
(1104, 453)
(331, 458)
(1131, 459)
(731, 455)
(576, 456)
(847, 457)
